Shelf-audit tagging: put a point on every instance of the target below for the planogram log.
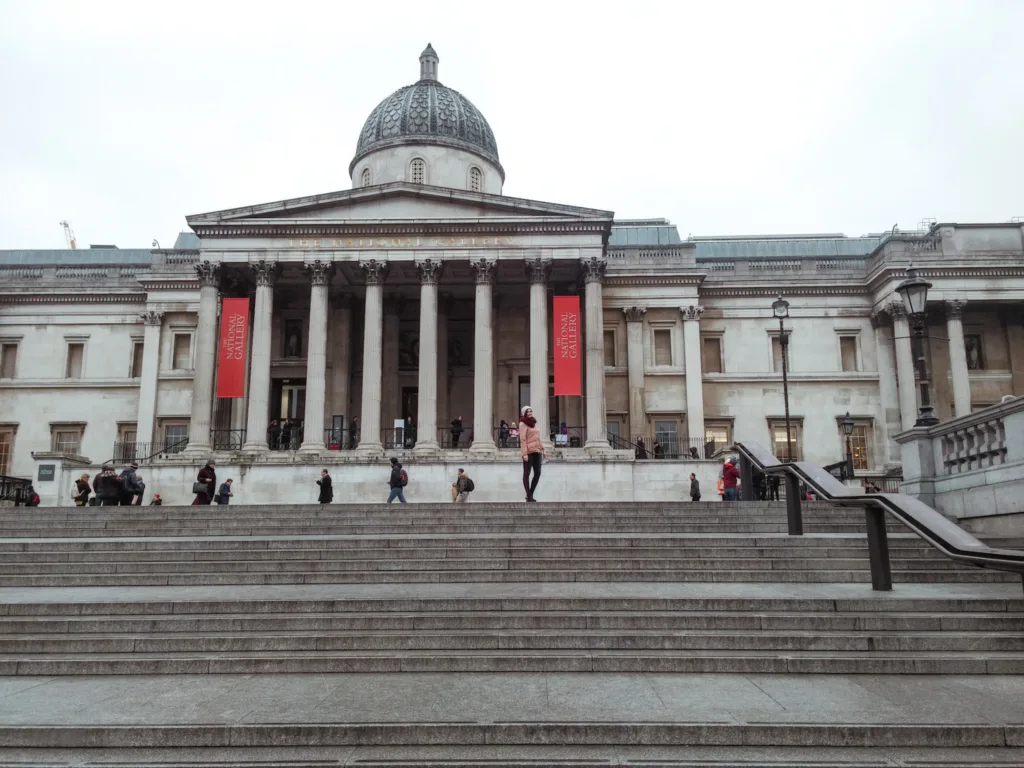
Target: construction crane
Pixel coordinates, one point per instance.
(69, 235)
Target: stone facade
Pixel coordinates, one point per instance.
(432, 302)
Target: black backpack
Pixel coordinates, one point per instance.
(469, 485)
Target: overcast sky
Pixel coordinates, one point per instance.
(725, 117)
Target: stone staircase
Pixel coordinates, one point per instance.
(506, 593)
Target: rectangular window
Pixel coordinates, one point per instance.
(859, 446)
(609, 349)
(614, 428)
(182, 352)
(716, 437)
(137, 349)
(777, 355)
(175, 436)
(8, 360)
(6, 450)
(666, 437)
(73, 366)
(67, 439)
(848, 352)
(663, 347)
(975, 358)
(711, 354)
(777, 430)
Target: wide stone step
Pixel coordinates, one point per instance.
(518, 660)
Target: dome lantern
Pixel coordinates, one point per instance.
(428, 63)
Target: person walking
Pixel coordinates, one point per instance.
(694, 488)
(326, 488)
(659, 452)
(730, 477)
(399, 479)
(129, 484)
(108, 486)
(82, 491)
(641, 449)
(463, 487)
(531, 449)
(205, 485)
(224, 493)
(456, 431)
(773, 487)
(137, 500)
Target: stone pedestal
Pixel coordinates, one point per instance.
(199, 441)
(316, 357)
(259, 374)
(373, 332)
(426, 429)
(483, 360)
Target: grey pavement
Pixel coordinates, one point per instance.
(776, 591)
(512, 698)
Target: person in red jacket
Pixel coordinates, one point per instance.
(730, 478)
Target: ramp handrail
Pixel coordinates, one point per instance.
(942, 533)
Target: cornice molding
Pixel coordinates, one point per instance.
(650, 280)
(793, 289)
(356, 227)
(75, 298)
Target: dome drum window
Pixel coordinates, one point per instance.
(418, 171)
(365, 178)
(475, 180)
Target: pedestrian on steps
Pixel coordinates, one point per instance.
(397, 482)
(463, 487)
(730, 478)
(326, 488)
(694, 488)
(531, 449)
(108, 486)
(205, 485)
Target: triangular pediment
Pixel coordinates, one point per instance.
(398, 202)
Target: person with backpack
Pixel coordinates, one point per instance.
(107, 486)
(463, 487)
(82, 491)
(32, 498)
(399, 479)
(129, 484)
(224, 493)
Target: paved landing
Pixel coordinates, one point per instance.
(508, 590)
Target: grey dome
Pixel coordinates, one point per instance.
(427, 112)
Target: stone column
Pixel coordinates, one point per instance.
(426, 428)
(266, 273)
(341, 361)
(319, 273)
(694, 373)
(635, 370)
(593, 273)
(206, 359)
(391, 391)
(146, 420)
(483, 359)
(539, 270)
(904, 364)
(443, 387)
(373, 332)
(887, 390)
(958, 358)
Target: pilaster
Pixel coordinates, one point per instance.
(146, 420)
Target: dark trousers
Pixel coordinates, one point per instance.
(773, 493)
(532, 461)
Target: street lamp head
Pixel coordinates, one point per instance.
(914, 292)
(781, 308)
(847, 425)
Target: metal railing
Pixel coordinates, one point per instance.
(569, 437)
(227, 439)
(664, 446)
(942, 533)
(128, 452)
(14, 489)
(341, 439)
(285, 438)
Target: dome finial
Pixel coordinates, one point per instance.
(428, 63)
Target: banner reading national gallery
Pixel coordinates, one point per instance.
(566, 349)
(234, 327)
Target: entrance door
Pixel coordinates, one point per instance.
(410, 410)
(288, 408)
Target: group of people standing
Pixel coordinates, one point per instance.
(112, 489)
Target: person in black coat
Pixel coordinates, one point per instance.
(208, 477)
(326, 490)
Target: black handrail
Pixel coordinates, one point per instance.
(140, 452)
(932, 526)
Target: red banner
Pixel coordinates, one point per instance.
(566, 350)
(234, 330)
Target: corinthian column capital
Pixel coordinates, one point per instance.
(593, 269)
(538, 270)
(955, 309)
(896, 310)
(692, 312)
(430, 271)
(265, 272)
(152, 317)
(634, 314)
(209, 274)
(319, 272)
(484, 271)
(376, 272)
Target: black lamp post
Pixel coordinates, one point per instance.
(780, 308)
(848, 426)
(914, 292)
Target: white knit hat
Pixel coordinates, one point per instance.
(525, 409)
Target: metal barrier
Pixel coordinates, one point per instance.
(943, 534)
(227, 439)
(128, 452)
(14, 489)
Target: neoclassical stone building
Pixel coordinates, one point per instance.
(422, 296)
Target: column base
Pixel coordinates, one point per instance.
(426, 448)
(598, 448)
(197, 449)
(548, 446)
(370, 450)
(255, 448)
(482, 448)
(307, 448)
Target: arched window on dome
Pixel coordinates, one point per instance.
(418, 171)
(366, 178)
(476, 180)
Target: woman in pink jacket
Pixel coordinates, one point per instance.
(531, 449)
